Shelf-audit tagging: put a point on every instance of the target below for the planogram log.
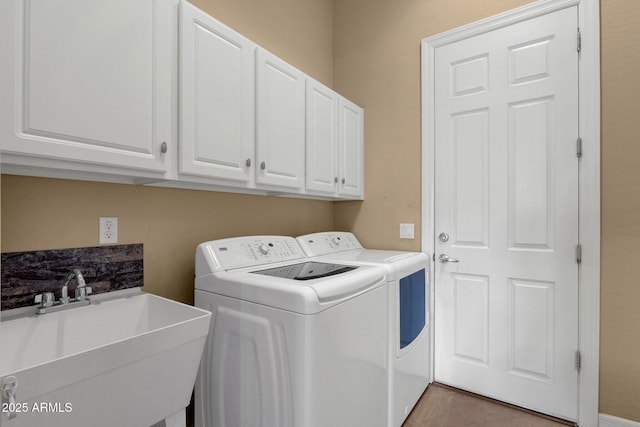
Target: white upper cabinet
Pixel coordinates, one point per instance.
(217, 99)
(351, 150)
(160, 93)
(322, 139)
(86, 85)
(335, 144)
(280, 117)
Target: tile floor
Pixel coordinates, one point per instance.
(442, 406)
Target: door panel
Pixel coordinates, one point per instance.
(470, 178)
(470, 326)
(506, 114)
(531, 311)
(531, 178)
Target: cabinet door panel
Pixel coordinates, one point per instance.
(351, 142)
(322, 138)
(280, 122)
(217, 82)
(89, 81)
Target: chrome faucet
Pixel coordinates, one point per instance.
(47, 303)
(64, 297)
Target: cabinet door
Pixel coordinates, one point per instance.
(87, 84)
(351, 146)
(322, 139)
(217, 94)
(280, 122)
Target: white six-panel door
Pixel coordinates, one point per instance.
(506, 206)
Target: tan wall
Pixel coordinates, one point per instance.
(620, 287)
(50, 213)
(47, 213)
(377, 64)
(299, 31)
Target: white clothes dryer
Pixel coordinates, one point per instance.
(293, 342)
(409, 338)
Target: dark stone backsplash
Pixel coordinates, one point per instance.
(105, 269)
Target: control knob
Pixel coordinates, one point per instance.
(264, 249)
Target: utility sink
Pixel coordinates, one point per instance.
(122, 361)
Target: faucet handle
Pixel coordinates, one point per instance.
(45, 299)
(81, 293)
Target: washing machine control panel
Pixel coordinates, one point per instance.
(327, 243)
(257, 250)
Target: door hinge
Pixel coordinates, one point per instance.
(579, 41)
(578, 253)
(578, 360)
(579, 147)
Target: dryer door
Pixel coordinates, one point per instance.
(412, 307)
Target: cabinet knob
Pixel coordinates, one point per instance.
(344, 180)
(335, 179)
(163, 147)
(248, 163)
(263, 165)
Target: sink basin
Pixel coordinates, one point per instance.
(125, 361)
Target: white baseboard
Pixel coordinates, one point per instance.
(611, 421)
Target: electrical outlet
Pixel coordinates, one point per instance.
(108, 230)
(407, 231)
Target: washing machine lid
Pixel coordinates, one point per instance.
(307, 270)
(299, 296)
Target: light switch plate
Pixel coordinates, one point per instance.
(407, 231)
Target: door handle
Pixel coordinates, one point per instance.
(445, 258)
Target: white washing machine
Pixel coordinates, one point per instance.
(292, 342)
(409, 364)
